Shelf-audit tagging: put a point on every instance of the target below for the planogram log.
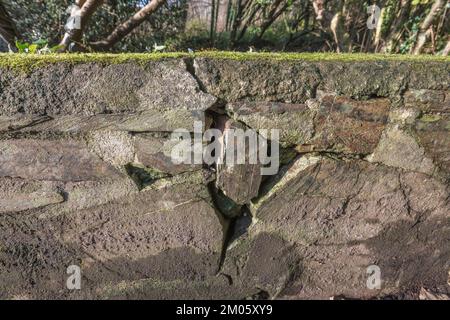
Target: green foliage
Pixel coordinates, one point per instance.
(37, 47)
(264, 2)
(295, 29)
(46, 19)
(419, 2)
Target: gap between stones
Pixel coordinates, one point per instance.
(235, 228)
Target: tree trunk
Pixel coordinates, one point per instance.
(378, 35)
(396, 30)
(330, 22)
(8, 32)
(426, 27)
(212, 22)
(446, 49)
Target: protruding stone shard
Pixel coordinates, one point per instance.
(282, 180)
(238, 181)
(142, 121)
(224, 204)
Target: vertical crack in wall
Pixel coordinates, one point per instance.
(229, 210)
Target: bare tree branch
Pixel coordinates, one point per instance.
(396, 29)
(248, 17)
(277, 8)
(125, 28)
(336, 29)
(330, 21)
(88, 7)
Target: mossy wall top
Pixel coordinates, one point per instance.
(26, 62)
(113, 80)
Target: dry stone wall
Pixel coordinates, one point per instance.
(86, 179)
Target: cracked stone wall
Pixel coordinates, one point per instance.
(86, 179)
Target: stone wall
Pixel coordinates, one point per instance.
(86, 179)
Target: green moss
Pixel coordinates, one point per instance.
(28, 62)
(189, 178)
(317, 57)
(447, 126)
(144, 176)
(430, 118)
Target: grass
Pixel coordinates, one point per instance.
(28, 62)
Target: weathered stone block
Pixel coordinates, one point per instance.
(256, 80)
(329, 123)
(155, 151)
(266, 262)
(349, 126)
(398, 148)
(362, 80)
(118, 96)
(18, 195)
(341, 215)
(295, 121)
(433, 132)
(169, 233)
(63, 160)
(114, 147)
(428, 100)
